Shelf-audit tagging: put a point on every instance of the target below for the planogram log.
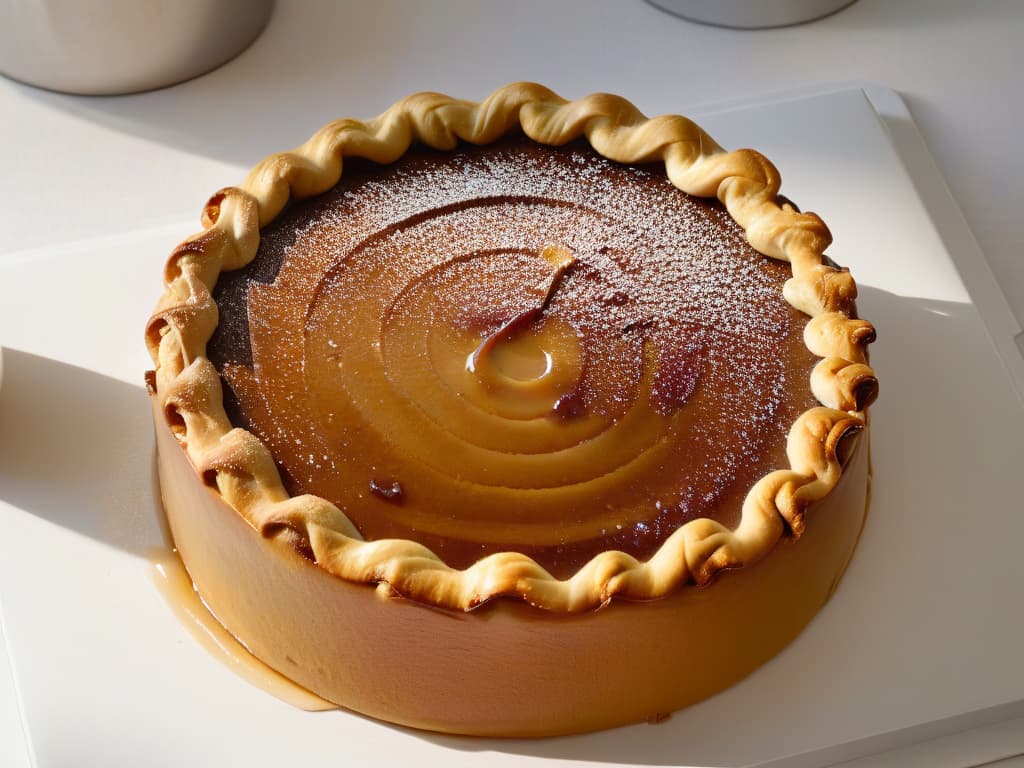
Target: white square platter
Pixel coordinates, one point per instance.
(922, 640)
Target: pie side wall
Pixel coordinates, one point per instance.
(505, 669)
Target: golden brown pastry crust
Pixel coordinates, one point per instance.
(505, 669)
(234, 463)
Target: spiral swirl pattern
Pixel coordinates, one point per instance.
(426, 358)
(238, 465)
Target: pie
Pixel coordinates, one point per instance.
(542, 417)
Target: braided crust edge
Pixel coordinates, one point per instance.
(234, 463)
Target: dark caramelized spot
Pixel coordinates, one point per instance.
(639, 326)
(865, 335)
(617, 298)
(846, 444)
(174, 419)
(389, 491)
(866, 392)
(679, 369)
(211, 211)
(570, 406)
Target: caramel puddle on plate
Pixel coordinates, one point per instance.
(175, 585)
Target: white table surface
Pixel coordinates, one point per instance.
(75, 167)
(909, 669)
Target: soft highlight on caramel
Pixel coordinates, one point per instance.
(515, 347)
(747, 185)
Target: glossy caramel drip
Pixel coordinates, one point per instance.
(173, 581)
(514, 348)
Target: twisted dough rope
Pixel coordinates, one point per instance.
(241, 469)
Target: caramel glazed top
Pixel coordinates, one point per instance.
(514, 348)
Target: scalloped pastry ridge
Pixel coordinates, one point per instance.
(242, 471)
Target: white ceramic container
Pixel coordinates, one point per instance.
(751, 14)
(106, 47)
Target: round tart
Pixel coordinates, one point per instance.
(542, 417)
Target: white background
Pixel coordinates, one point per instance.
(76, 167)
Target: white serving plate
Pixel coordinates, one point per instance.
(923, 638)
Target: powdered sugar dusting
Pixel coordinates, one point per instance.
(661, 283)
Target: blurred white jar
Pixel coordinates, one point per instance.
(105, 47)
(751, 14)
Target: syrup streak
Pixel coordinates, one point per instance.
(175, 585)
(561, 259)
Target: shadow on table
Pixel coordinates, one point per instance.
(76, 449)
(918, 437)
(271, 96)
